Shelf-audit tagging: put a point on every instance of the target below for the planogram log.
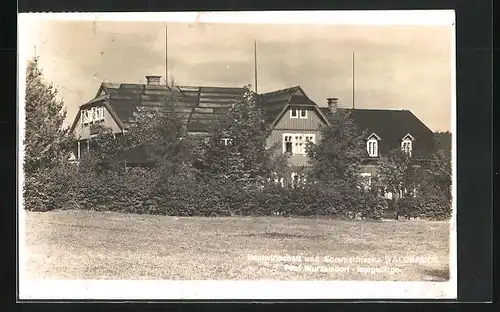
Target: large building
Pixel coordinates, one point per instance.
(293, 117)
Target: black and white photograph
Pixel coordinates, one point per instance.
(237, 155)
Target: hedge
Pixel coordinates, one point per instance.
(183, 193)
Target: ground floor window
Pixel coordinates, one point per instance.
(296, 143)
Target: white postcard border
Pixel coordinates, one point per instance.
(106, 289)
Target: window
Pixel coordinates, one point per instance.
(372, 147)
(406, 146)
(92, 115)
(226, 141)
(297, 143)
(298, 113)
(288, 147)
(303, 113)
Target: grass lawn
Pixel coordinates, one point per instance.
(105, 245)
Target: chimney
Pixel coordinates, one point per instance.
(153, 80)
(333, 104)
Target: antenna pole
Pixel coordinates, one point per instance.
(353, 85)
(255, 62)
(166, 55)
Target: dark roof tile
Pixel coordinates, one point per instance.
(392, 126)
(125, 99)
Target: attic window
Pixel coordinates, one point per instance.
(298, 113)
(303, 113)
(226, 141)
(407, 145)
(372, 147)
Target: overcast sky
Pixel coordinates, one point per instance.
(396, 67)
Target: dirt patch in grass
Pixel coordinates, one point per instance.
(105, 245)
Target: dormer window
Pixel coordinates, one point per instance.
(407, 144)
(372, 145)
(226, 141)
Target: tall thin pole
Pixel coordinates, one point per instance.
(255, 62)
(166, 55)
(34, 49)
(353, 83)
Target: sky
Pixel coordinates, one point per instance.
(396, 66)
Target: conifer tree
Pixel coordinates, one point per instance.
(338, 155)
(46, 142)
(238, 150)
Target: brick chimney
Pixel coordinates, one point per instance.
(153, 80)
(333, 104)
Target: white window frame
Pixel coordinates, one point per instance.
(93, 114)
(300, 113)
(407, 144)
(372, 147)
(297, 112)
(285, 137)
(100, 114)
(299, 142)
(86, 116)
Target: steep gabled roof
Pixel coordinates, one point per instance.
(274, 104)
(392, 126)
(100, 99)
(201, 106)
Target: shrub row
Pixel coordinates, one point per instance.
(154, 191)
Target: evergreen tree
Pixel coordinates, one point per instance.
(238, 149)
(439, 175)
(46, 142)
(338, 155)
(168, 140)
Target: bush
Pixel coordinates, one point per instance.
(49, 188)
(374, 207)
(431, 206)
(180, 192)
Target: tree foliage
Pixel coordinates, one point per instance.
(402, 174)
(339, 153)
(399, 172)
(46, 142)
(237, 150)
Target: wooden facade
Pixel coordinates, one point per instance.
(295, 126)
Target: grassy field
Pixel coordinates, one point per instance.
(105, 245)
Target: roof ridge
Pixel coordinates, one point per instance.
(209, 86)
(281, 90)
